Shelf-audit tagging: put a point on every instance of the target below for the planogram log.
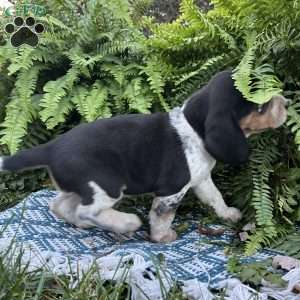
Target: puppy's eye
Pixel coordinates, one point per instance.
(261, 109)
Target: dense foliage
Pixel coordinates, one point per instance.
(102, 58)
(88, 60)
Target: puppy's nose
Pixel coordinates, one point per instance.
(287, 102)
(282, 99)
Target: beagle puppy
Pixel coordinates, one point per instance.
(165, 153)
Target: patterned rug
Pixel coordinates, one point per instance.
(193, 255)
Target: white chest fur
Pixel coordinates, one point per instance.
(199, 161)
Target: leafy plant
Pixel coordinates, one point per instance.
(89, 60)
(253, 273)
(289, 244)
(258, 84)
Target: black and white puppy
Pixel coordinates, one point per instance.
(94, 165)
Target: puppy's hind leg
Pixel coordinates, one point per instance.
(98, 211)
(116, 221)
(64, 207)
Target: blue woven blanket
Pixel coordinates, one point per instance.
(193, 255)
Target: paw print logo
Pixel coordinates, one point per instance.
(24, 32)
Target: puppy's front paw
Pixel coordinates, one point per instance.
(168, 237)
(232, 214)
(53, 207)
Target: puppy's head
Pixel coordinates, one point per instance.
(231, 119)
(270, 115)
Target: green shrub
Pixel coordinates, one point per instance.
(90, 60)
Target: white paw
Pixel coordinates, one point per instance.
(83, 224)
(233, 214)
(168, 237)
(132, 224)
(113, 220)
(53, 207)
(50, 205)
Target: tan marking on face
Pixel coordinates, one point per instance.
(273, 117)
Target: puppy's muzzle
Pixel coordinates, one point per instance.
(278, 110)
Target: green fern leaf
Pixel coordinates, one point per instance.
(294, 121)
(95, 104)
(20, 110)
(55, 92)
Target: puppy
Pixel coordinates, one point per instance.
(94, 165)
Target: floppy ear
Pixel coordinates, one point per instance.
(224, 139)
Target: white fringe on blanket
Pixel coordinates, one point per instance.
(235, 290)
(147, 281)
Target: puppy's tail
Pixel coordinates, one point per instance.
(25, 159)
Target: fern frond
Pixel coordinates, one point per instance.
(155, 80)
(287, 199)
(187, 83)
(24, 60)
(60, 112)
(79, 94)
(55, 92)
(259, 84)
(261, 162)
(95, 104)
(294, 121)
(203, 68)
(242, 73)
(136, 99)
(264, 237)
(92, 104)
(255, 242)
(120, 72)
(20, 110)
(192, 14)
(54, 23)
(154, 77)
(7, 53)
(80, 59)
(15, 124)
(289, 244)
(197, 19)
